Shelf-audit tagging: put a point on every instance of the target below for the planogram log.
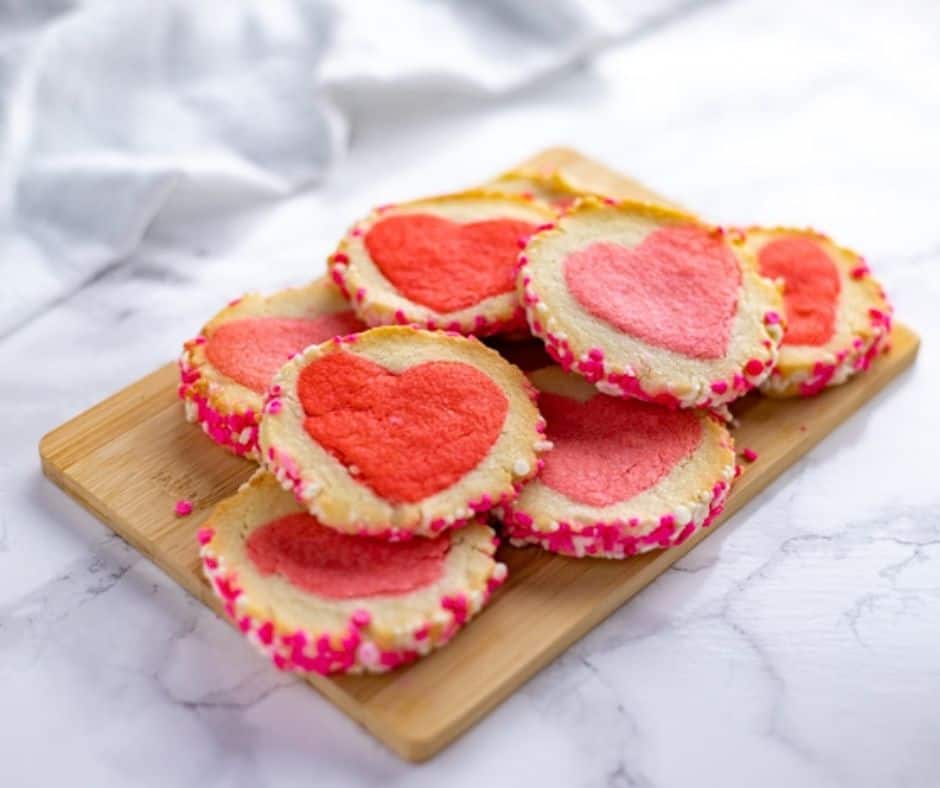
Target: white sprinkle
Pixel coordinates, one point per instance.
(683, 515)
(520, 467)
(368, 654)
(499, 572)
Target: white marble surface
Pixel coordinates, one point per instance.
(799, 645)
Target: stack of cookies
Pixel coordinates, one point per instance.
(525, 359)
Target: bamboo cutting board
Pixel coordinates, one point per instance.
(131, 457)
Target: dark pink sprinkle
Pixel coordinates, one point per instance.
(183, 507)
(719, 386)
(361, 618)
(204, 535)
(340, 257)
(754, 367)
(266, 633)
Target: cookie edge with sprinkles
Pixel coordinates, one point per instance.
(590, 361)
(807, 380)
(385, 306)
(340, 501)
(228, 412)
(361, 645)
(599, 535)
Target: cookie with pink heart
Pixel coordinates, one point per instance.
(837, 315)
(624, 476)
(225, 371)
(440, 263)
(400, 431)
(647, 302)
(317, 601)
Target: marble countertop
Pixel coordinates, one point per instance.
(799, 645)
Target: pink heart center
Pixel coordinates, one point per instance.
(608, 450)
(811, 288)
(677, 290)
(408, 435)
(326, 562)
(250, 351)
(445, 265)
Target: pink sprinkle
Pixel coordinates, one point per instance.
(204, 535)
(361, 617)
(749, 454)
(754, 367)
(266, 633)
(719, 386)
(183, 507)
(772, 318)
(340, 257)
(859, 272)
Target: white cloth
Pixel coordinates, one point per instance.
(110, 107)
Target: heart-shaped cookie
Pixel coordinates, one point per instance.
(339, 566)
(251, 350)
(811, 288)
(609, 450)
(444, 265)
(406, 436)
(677, 289)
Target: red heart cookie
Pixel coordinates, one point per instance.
(608, 450)
(252, 350)
(444, 265)
(339, 566)
(408, 435)
(677, 289)
(811, 290)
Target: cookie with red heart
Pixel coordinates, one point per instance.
(645, 301)
(440, 263)
(319, 601)
(400, 431)
(624, 476)
(837, 315)
(226, 369)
